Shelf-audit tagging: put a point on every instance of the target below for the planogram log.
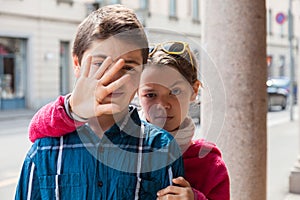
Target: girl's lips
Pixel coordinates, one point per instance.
(164, 117)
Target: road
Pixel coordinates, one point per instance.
(14, 144)
(283, 148)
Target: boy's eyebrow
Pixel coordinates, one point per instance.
(100, 55)
(132, 61)
(127, 61)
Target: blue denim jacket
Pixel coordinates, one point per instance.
(131, 162)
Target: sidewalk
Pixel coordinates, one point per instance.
(7, 115)
(283, 150)
(292, 197)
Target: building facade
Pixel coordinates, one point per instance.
(35, 43)
(36, 40)
(278, 45)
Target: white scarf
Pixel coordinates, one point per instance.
(183, 135)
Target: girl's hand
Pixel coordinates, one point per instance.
(93, 85)
(181, 191)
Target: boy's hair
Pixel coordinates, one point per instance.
(181, 62)
(112, 20)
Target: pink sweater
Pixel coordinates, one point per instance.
(203, 165)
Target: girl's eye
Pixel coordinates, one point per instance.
(128, 68)
(176, 91)
(150, 95)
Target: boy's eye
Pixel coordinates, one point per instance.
(176, 91)
(98, 64)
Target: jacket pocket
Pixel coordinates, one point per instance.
(70, 186)
(126, 188)
(149, 189)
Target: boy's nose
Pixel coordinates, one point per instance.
(117, 75)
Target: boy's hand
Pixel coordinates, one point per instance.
(93, 85)
(182, 190)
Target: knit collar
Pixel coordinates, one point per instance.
(183, 135)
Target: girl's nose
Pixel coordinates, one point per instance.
(165, 103)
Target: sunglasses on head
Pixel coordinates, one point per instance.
(172, 48)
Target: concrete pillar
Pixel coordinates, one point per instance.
(294, 179)
(234, 36)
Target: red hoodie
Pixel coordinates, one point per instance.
(203, 165)
(206, 171)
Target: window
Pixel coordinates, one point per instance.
(195, 11)
(143, 11)
(269, 22)
(269, 60)
(269, 64)
(144, 4)
(282, 65)
(172, 9)
(12, 72)
(65, 1)
(115, 2)
(64, 68)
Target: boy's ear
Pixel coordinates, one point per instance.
(196, 86)
(76, 66)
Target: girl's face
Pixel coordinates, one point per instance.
(165, 96)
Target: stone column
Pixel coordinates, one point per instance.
(294, 185)
(234, 94)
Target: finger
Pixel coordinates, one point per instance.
(180, 181)
(108, 109)
(117, 83)
(101, 70)
(87, 66)
(169, 190)
(112, 71)
(168, 197)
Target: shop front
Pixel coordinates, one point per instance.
(12, 73)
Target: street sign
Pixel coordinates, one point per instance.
(280, 18)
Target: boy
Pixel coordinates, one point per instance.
(114, 155)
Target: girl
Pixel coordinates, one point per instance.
(168, 84)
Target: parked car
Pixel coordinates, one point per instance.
(278, 92)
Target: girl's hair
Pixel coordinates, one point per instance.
(181, 62)
(112, 20)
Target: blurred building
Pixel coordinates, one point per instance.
(35, 43)
(278, 47)
(36, 40)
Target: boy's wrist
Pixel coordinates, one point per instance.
(70, 113)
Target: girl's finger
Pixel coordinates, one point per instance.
(87, 66)
(180, 181)
(104, 66)
(169, 190)
(168, 197)
(109, 74)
